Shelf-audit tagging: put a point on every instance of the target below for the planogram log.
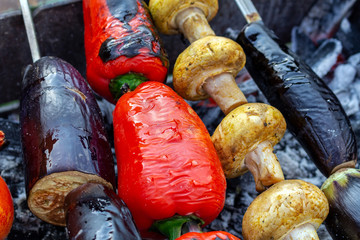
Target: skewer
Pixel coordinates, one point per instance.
(302, 230)
(249, 11)
(30, 30)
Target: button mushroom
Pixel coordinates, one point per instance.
(208, 67)
(186, 16)
(244, 141)
(289, 210)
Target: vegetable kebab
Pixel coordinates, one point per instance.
(122, 47)
(314, 116)
(245, 138)
(64, 147)
(169, 173)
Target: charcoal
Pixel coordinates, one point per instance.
(324, 18)
(349, 32)
(325, 57)
(354, 60)
(344, 75)
(349, 100)
(301, 44)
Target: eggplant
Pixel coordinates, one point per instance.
(95, 212)
(342, 190)
(313, 113)
(64, 142)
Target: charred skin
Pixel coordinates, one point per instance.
(342, 190)
(94, 211)
(63, 137)
(313, 113)
(120, 38)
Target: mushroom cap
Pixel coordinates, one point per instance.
(203, 59)
(283, 207)
(242, 130)
(164, 12)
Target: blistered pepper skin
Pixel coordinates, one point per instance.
(120, 38)
(167, 163)
(95, 212)
(312, 111)
(218, 235)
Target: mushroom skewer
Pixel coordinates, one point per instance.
(208, 67)
(289, 210)
(314, 115)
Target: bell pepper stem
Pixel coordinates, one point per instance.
(124, 83)
(176, 226)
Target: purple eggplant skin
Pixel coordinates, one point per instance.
(94, 211)
(61, 124)
(313, 113)
(342, 190)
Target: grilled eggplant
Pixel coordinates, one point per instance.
(342, 190)
(313, 113)
(63, 137)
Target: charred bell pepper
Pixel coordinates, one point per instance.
(2, 139)
(63, 137)
(342, 190)
(216, 235)
(122, 46)
(168, 168)
(94, 211)
(313, 113)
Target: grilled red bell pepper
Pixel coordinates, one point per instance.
(167, 164)
(217, 235)
(2, 138)
(122, 46)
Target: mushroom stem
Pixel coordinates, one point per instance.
(225, 92)
(193, 24)
(264, 166)
(304, 232)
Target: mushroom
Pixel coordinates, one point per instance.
(186, 16)
(244, 141)
(209, 67)
(289, 210)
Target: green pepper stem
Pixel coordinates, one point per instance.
(176, 226)
(125, 83)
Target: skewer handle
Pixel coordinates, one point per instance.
(30, 30)
(248, 10)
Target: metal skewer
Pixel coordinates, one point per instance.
(30, 30)
(249, 11)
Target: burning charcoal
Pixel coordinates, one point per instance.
(325, 57)
(354, 60)
(349, 100)
(324, 18)
(344, 75)
(301, 44)
(349, 32)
